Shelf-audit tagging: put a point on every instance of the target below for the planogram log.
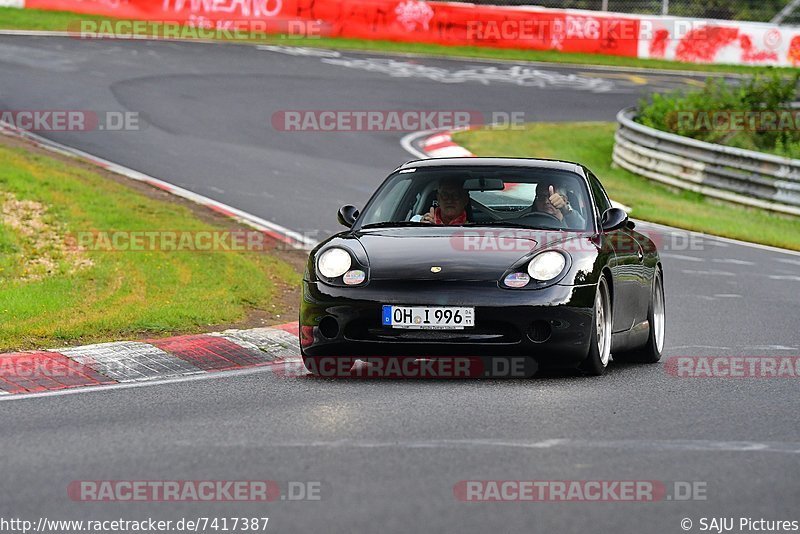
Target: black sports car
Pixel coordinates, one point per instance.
(485, 258)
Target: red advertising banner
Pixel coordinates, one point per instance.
(397, 20)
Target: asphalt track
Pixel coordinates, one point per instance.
(388, 453)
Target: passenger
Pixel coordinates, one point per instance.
(556, 203)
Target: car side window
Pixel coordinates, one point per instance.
(599, 194)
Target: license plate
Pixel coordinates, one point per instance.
(429, 317)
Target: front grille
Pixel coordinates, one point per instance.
(488, 332)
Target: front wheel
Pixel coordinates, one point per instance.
(600, 343)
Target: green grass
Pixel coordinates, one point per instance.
(125, 293)
(591, 144)
(32, 19)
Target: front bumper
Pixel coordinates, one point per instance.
(550, 325)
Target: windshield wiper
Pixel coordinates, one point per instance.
(514, 225)
(397, 224)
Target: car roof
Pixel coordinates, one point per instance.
(500, 162)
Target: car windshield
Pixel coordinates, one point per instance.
(526, 197)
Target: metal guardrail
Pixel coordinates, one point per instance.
(733, 174)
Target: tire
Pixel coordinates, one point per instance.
(651, 351)
(599, 355)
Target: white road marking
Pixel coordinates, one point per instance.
(715, 347)
(733, 261)
(712, 272)
(717, 244)
(787, 260)
(407, 142)
(147, 383)
(722, 241)
(727, 296)
(688, 445)
(521, 75)
(785, 277)
(681, 257)
(299, 51)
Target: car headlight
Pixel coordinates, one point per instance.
(547, 265)
(334, 262)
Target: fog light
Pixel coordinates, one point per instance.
(329, 327)
(539, 331)
(354, 277)
(517, 280)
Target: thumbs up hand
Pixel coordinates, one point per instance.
(429, 217)
(557, 200)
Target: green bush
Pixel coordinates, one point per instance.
(705, 114)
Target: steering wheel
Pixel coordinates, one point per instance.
(545, 217)
(485, 210)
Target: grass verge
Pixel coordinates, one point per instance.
(591, 144)
(53, 293)
(33, 19)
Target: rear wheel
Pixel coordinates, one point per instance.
(656, 316)
(600, 344)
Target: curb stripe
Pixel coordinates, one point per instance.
(129, 361)
(292, 328)
(211, 353)
(23, 372)
(160, 360)
(5, 397)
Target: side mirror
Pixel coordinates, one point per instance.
(613, 219)
(347, 215)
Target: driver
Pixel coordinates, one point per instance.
(453, 200)
(556, 203)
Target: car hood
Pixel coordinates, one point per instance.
(462, 253)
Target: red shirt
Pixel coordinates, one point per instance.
(437, 217)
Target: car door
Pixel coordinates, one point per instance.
(625, 264)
